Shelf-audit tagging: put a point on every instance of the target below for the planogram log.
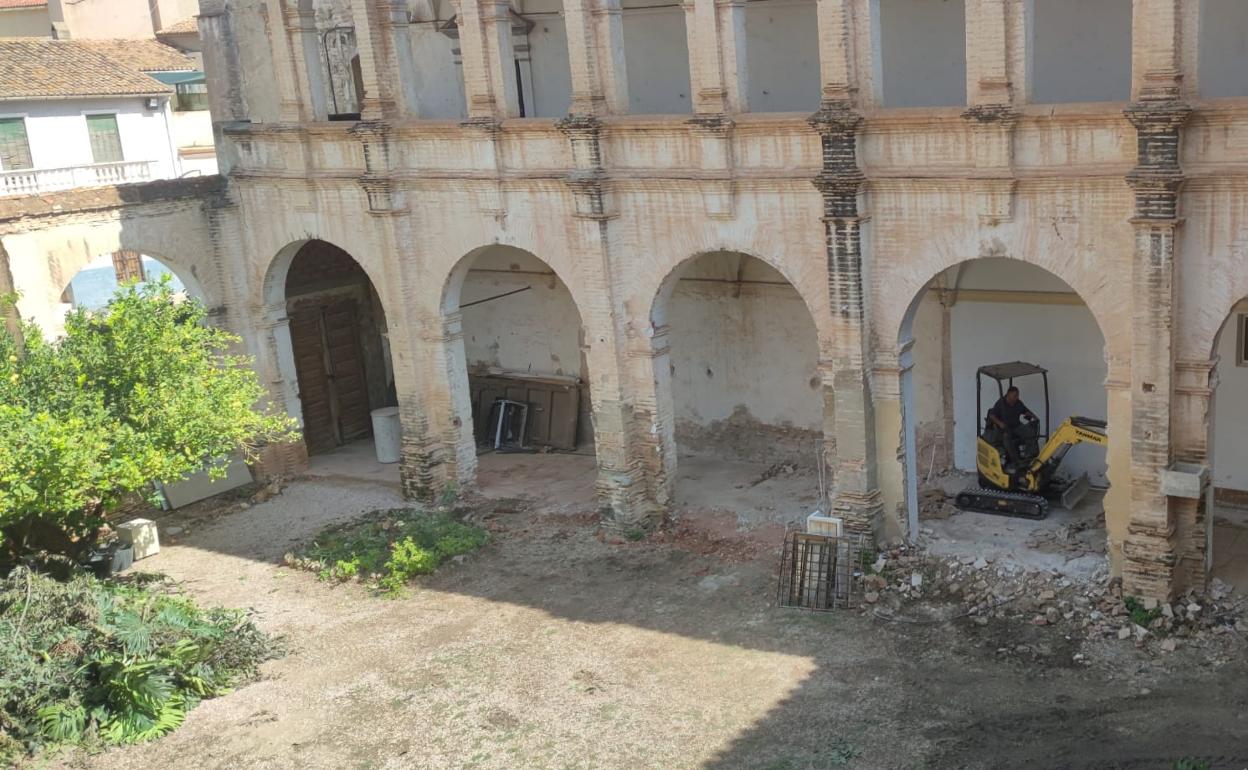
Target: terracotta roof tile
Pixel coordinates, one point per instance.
(6, 4)
(188, 26)
(142, 55)
(36, 67)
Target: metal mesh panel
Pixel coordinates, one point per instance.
(822, 572)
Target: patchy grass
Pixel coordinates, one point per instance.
(387, 548)
(1140, 616)
(88, 662)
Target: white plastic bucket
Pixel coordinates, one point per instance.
(386, 433)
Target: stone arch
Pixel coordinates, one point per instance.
(546, 345)
(787, 426)
(903, 350)
(281, 346)
(895, 287)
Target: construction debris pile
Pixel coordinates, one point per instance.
(906, 584)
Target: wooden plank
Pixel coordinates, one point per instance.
(313, 382)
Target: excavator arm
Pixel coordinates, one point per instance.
(1073, 430)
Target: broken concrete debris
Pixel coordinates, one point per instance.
(906, 582)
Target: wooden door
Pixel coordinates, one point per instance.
(330, 367)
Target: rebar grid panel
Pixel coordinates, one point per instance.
(822, 572)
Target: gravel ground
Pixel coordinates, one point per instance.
(552, 649)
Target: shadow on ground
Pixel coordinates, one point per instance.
(553, 649)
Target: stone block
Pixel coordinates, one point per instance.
(1185, 480)
(140, 534)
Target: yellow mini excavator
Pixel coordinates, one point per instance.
(1025, 489)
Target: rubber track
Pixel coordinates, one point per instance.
(996, 494)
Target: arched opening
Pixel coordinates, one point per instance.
(981, 313)
(521, 360)
(1228, 419)
(96, 282)
(741, 384)
(337, 337)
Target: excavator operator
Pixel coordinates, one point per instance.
(1005, 425)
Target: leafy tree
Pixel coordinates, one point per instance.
(140, 390)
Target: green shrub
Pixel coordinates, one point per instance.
(388, 548)
(140, 390)
(86, 662)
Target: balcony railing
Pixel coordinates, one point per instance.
(42, 180)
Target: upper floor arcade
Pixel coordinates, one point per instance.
(314, 60)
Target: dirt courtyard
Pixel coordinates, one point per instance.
(552, 649)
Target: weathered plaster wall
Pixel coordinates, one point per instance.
(743, 350)
(536, 331)
(439, 81)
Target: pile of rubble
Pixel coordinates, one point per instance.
(909, 585)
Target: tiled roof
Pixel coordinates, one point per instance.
(33, 67)
(6, 4)
(188, 26)
(142, 55)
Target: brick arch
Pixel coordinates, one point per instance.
(897, 288)
(448, 302)
(654, 288)
(273, 285)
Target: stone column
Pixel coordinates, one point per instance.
(220, 52)
(847, 52)
(1150, 548)
(715, 30)
(987, 53)
(626, 485)
(855, 490)
(489, 70)
(376, 102)
(596, 57)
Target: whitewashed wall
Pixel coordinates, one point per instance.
(757, 350)
(25, 22)
(1065, 339)
(1082, 51)
(1230, 435)
(57, 131)
(536, 331)
(439, 81)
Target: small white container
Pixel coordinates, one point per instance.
(141, 535)
(387, 433)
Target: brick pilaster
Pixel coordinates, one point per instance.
(1150, 549)
(303, 41)
(596, 57)
(625, 493)
(715, 30)
(484, 28)
(855, 490)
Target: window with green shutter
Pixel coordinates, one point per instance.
(14, 146)
(105, 139)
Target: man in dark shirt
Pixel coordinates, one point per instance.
(1006, 416)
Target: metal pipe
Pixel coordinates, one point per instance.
(496, 296)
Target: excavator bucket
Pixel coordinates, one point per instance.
(1075, 491)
